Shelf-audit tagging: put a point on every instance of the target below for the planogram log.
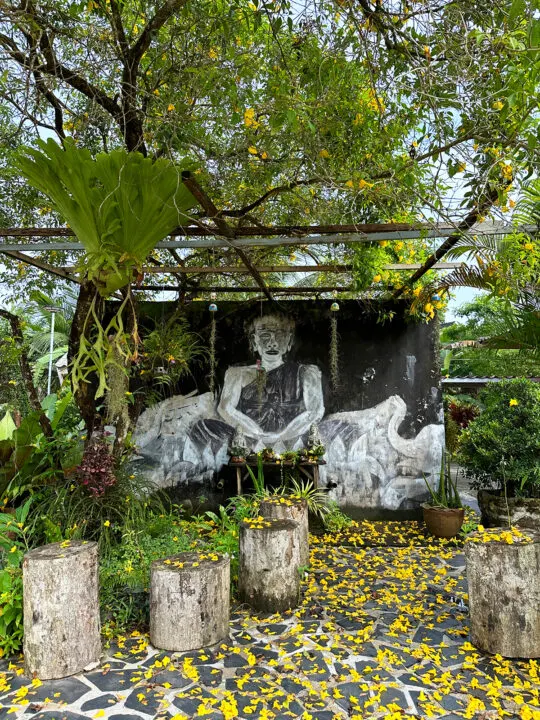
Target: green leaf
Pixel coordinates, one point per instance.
(7, 427)
(119, 204)
(516, 10)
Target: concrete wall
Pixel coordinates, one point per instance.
(382, 426)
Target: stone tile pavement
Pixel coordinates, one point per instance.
(381, 633)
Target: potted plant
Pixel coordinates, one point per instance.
(444, 513)
(500, 454)
(268, 454)
(237, 454)
(315, 453)
(289, 457)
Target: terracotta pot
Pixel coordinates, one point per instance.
(443, 522)
(524, 512)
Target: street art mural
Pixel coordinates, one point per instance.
(376, 455)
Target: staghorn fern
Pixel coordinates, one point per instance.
(119, 204)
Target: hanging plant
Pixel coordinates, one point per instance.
(212, 350)
(260, 381)
(119, 205)
(334, 348)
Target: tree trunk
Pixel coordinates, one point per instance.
(189, 601)
(504, 595)
(26, 372)
(61, 609)
(281, 507)
(268, 576)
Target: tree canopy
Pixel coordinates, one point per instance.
(322, 112)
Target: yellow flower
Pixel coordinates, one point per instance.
(13, 549)
(170, 107)
(513, 402)
(364, 184)
(212, 53)
(427, 51)
(107, 523)
(498, 105)
(349, 183)
(377, 278)
(528, 246)
(324, 153)
(417, 291)
(252, 150)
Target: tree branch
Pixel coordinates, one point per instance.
(26, 371)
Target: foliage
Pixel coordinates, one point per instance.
(502, 445)
(118, 204)
(12, 393)
(446, 494)
(317, 500)
(96, 471)
(169, 350)
(478, 344)
(462, 413)
(37, 319)
(125, 568)
(29, 459)
(322, 113)
(258, 480)
(335, 520)
(13, 545)
(66, 509)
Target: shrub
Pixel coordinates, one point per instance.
(502, 445)
(462, 413)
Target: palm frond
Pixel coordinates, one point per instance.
(527, 211)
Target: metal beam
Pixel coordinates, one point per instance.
(35, 262)
(239, 270)
(253, 241)
(207, 204)
(273, 288)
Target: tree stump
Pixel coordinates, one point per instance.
(61, 609)
(268, 575)
(281, 507)
(189, 601)
(504, 595)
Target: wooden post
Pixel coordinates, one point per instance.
(282, 507)
(189, 601)
(504, 594)
(61, 609)
(268, 576)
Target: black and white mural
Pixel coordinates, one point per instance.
(382, 426)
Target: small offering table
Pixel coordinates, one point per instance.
(309, 469)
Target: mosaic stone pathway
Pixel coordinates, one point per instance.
(381, 633)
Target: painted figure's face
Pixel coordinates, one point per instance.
(272, 342)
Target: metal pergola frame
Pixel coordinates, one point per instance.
(215, 232)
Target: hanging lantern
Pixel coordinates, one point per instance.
(212, 307)
(334, 307)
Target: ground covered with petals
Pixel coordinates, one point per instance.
(382, 632)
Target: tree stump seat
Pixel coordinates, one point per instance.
(284, 507)
(189, 601)
(269, 563)
(504, 593)
(61, 609)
